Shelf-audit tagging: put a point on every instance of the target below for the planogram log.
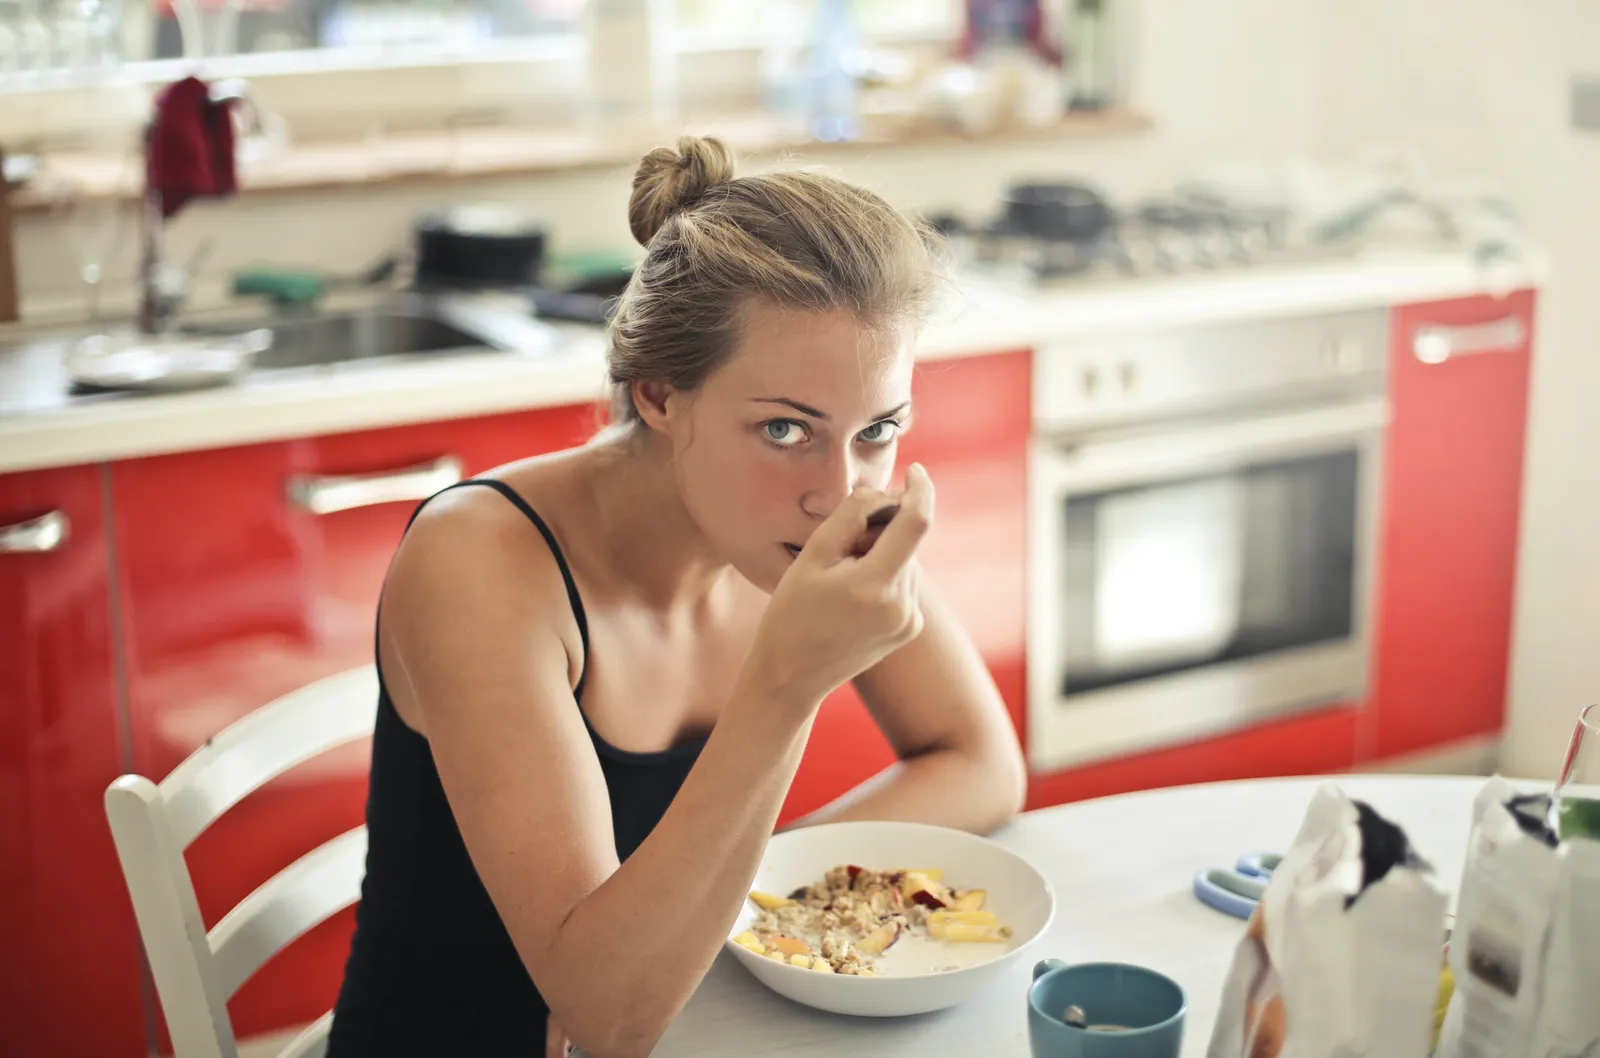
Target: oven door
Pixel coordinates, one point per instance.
(1198, 578)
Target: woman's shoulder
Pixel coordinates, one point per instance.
(483, 530)
(499, 500)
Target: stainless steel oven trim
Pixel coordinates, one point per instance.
(1204, 702)
(1201, 701)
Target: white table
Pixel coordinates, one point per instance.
(1121, 868)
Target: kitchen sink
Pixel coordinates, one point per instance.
(359, 336)
(335, 337)
(400, 326)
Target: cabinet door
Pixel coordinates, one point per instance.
(1320, 742)
(1452, 499)
(235, 592)
(66, 927)
(970, 430)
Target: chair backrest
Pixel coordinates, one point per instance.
(152, 823)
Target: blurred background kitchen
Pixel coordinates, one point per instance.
(1261, 407)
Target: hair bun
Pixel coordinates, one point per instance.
(669, 181)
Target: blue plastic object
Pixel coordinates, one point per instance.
(1258, 864)
(1230, 892)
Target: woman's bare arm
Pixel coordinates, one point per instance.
(960, 765)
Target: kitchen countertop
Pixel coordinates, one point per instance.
(41, 425)
(1121, 868)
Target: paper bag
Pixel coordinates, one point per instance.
(1526, 949)
(1342, 957)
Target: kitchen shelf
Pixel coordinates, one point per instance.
(477, 153)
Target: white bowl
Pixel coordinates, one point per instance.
(910, 981)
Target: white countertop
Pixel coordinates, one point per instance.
(1121, 868)
(41, 425)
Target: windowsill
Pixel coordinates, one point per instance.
(478, 153)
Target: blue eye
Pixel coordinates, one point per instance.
(785, 433)
(880, 432)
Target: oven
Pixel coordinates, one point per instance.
(1202, 537)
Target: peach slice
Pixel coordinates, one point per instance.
(962, 933)
(879, 940)
(918, 888)
(939, 920)
(968, 900)
(791, 946)
(751, 941)
(769, 902)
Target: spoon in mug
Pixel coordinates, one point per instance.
(1075, 1017)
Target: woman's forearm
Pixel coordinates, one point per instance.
(970, 790)
(639, 944)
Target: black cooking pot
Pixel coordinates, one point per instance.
(1065, 212)
(479, 245)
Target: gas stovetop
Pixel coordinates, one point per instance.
(1050, 232)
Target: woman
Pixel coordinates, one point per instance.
(599, 667)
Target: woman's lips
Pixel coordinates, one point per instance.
(794, 549)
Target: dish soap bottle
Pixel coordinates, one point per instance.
(834, 43)
(1090, 56)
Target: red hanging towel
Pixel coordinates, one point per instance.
(189, 150)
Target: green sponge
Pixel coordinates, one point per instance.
(283, 286)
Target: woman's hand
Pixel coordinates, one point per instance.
(837, 613)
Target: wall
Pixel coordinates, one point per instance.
(1215, 93)
(1485, 91)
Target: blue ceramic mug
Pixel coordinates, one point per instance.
(1132, 1012)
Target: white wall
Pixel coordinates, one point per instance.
(1481, 86)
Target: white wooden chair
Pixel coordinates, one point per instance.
(152, 823)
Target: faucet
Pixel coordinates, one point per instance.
(163, 286)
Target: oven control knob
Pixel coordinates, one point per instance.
(1128, 373)
(1342, 354)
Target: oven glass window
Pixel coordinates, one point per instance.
(1175, 575)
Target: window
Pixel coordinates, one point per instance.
(333, 69)
(43, 42)
(744, 19)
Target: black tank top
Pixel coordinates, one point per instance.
(432, 970)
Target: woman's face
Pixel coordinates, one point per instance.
(809, 407)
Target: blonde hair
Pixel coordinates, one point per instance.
(715, 242)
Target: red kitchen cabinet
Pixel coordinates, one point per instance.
(235, 590)
(1314, 743)
(70, 982)
(970, 430)
(1452, 497)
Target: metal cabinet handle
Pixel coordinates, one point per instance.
(325, 494)
(1436, 344)
(44, 533)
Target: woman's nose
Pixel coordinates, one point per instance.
(834, 478)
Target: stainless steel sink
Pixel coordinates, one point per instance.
(359, 336)
(400, 326)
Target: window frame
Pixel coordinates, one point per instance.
(340, 93)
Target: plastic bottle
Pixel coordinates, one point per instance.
(783, 68)
(834, 44)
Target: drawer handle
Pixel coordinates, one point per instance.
(325, 494)
(44, 533)
(1435, 345)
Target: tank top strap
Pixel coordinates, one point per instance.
(573, 599)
